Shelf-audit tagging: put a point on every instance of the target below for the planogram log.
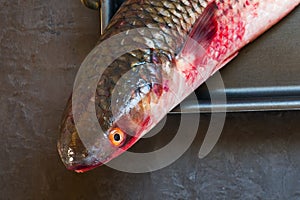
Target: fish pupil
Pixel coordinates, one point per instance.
(117, 137)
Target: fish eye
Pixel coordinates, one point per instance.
(116, 137)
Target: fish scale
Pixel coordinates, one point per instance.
(153, 13)
(181, 43)
(150, 13)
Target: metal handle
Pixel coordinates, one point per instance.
(106, 10)
(92, 4)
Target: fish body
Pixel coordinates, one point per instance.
(181, 43)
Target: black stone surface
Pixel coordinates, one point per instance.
(42, 44)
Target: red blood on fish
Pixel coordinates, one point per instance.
(196, 38)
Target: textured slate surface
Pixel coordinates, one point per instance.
(42, 44)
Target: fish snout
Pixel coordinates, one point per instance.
(76, 157)
(72, 151)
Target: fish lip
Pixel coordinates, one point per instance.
(80, 168)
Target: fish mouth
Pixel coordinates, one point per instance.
(81, 168)
(75, 154)
(78, 162)
(76, 157)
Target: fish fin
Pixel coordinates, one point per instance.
(203, 31)
(194, 51)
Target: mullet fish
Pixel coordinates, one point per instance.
(181, 43)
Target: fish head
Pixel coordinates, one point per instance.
(122, 123)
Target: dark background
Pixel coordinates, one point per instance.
(42, 44)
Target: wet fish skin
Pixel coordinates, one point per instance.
(175, 20)
(128, 17)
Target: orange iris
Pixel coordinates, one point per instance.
(116, 136)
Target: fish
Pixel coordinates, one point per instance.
(181, 44)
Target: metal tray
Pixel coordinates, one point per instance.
(263, 77)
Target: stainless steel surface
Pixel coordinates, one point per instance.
(106, 8)
(267, 80)
(106, 12)
(271, 98)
